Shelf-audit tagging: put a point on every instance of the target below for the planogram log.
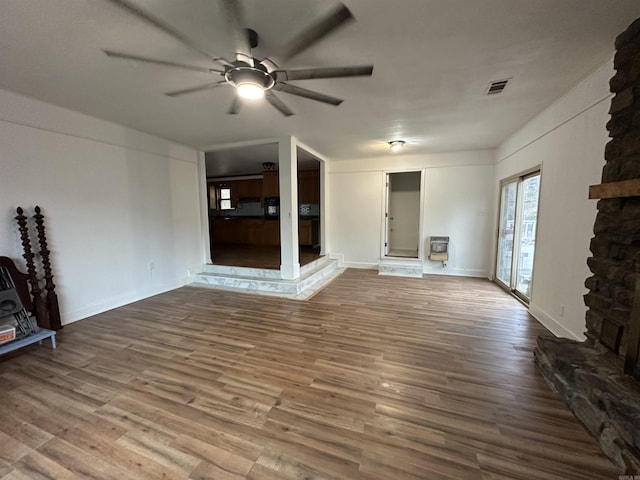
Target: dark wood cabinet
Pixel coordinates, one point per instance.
(270, 184)
(309, 186)
(271, 232)
(245, 231)
(305, 232)
(248, 188)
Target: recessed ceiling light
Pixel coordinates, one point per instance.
(396, 145)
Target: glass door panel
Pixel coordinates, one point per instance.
(527, 233)
(506, 230)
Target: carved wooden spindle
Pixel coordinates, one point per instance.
(52, 299)
(38, 302)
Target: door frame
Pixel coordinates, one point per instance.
(519, 177)
(385, 216)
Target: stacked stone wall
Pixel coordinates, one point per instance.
(615, 263)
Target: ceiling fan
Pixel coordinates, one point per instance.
(251, 77)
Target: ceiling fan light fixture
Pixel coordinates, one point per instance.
(396, 145)
(249, 82)
(250, 91)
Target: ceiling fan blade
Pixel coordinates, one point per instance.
(276, 102)
(316, 32)
(126, 56)
(196, 89)
(310, 94)
(156, 22)
(235, 106)
(330, 72)
(234, 16)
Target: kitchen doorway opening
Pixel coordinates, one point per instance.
(402, 214)
(243, 205)
(518, 219)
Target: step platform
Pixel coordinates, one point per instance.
(313, 277)
(400, 267)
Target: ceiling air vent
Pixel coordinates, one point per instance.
(497, 86)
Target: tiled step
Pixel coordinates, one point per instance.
(261, 273)
(313, 277)
(400, 267)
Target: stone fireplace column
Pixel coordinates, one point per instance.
(590, 376)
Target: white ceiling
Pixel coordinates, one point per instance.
(433, 62)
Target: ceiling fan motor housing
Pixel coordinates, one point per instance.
(245, 74)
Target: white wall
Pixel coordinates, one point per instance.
(568, 139)
(458, 203)
(115, 200)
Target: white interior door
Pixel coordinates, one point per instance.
(387, 220)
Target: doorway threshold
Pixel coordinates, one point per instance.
(403, 253)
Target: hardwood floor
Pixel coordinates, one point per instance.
(374, 378)
(257, 256)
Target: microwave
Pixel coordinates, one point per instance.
(272, 207)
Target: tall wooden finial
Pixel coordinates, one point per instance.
(52, 299)
(38, 302)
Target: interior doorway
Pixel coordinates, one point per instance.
(518, 219)
(402, 214)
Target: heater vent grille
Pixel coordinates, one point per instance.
(497, 87)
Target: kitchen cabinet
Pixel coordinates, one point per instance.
(309, 186)
(271, 232)
(270, 184)
(248, 188)
(244, 231)
(305, 232)
(223, 231)
(251, 232)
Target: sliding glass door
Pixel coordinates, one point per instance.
(517, 233)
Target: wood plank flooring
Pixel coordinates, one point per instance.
(375, 377)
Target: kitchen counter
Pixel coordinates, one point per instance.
(258, 230)
(244, 230)
(236, 217)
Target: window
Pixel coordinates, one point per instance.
(225, 198)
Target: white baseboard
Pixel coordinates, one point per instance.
(342, 264)
(426, 267)
(337, 256)
(459, 272)
(117, 301)
(553, 325)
